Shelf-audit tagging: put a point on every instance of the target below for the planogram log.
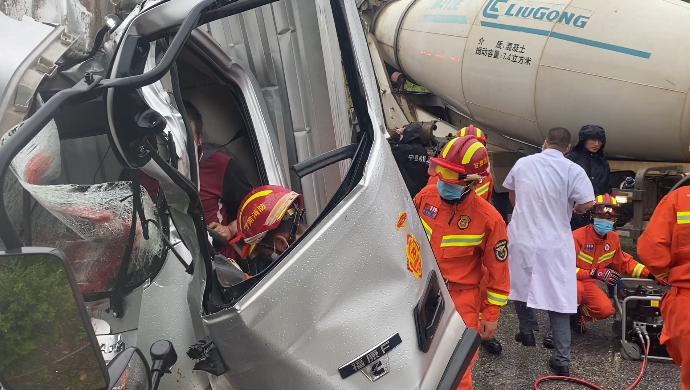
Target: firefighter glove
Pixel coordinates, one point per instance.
(659, 281)
(606, 275)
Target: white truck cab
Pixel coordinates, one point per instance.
(357, 302)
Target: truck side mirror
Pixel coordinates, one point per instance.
(129, 370)
(46, 337)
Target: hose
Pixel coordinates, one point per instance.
(645, 347)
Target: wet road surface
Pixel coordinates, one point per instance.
(594, 356)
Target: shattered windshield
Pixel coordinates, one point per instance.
(91, 223)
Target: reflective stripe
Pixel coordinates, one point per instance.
(637, 271)
(428, 230)
(257, 195)
(585, 257)
(462, 240)
(683, 217)
(470, 152)
(496, 299)
(606, 256)
(577, 269)
(585, 311)
(448, 145)
(481, 190)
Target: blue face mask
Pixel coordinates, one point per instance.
(450, 191)
(602, 226)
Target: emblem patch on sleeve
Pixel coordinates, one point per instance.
(464, 222)
(430, 210)
(607, 247)
(501, 250)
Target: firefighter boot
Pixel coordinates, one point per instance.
(492, 346)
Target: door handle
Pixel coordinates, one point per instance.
(428, 312)
(432, 325)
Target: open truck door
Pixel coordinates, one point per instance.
(358, 299)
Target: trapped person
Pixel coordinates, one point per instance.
(543, 188)
(468, 236)
(589, 154)
(664, 248)
(411, 156)
(222, 184)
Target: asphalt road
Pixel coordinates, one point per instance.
(595, 358)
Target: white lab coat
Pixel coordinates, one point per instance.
(540, 242)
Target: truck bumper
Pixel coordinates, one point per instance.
(460, 361)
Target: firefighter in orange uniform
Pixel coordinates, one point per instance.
(664, 248)
(485, 188)
(466, 234)
(598, 250)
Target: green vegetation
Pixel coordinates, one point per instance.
(415, 88)
(34, 300)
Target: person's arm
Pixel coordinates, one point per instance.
(509, 182)
(654, 246)
(625, 263)
(495, 259)
(581, 191)
(583, 207)
(579, 238)
(235, 188)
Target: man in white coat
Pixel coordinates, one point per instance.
(545, 188)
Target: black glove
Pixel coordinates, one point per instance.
(606, 275)
(660, 282)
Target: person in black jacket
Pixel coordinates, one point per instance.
(589, 154)
(411, 156)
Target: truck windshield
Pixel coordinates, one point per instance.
(91, 223)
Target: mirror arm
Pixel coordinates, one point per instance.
(23, 135)
(195, 210)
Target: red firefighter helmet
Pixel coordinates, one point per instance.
(262, 210)
(473, 131)
(606, 205)
(462, 158)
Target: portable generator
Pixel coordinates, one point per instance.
(638, 306)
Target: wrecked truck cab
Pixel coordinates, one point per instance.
(357, 300)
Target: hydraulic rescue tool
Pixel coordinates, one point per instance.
(638, 323)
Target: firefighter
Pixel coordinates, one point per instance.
(466, 235)
(664, 248)
(484, 189)
(270, 220)
(599, 255)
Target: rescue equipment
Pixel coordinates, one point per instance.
(638, 323)
(639, 306)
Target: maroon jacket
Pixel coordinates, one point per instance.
(223, 185)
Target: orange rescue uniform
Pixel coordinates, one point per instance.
(664, 248)
(465, 238)
(594, 252)
(484, 189)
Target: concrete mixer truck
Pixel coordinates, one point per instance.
(517, 68)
